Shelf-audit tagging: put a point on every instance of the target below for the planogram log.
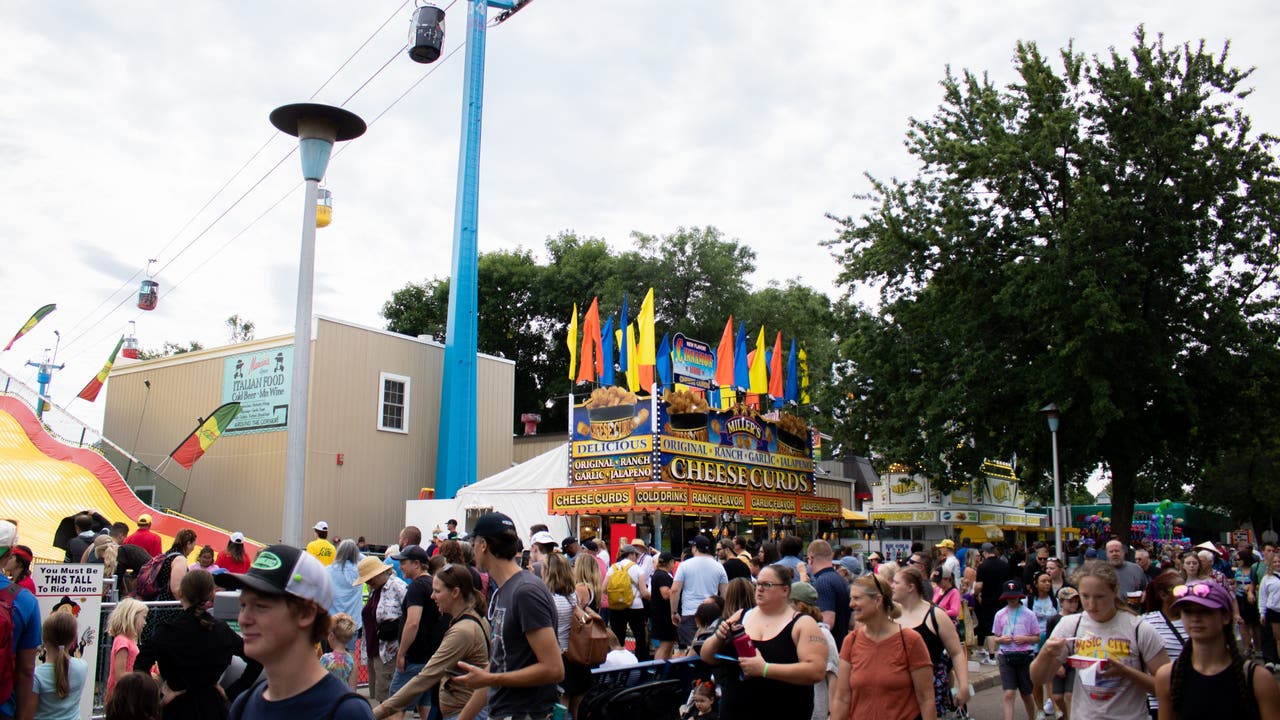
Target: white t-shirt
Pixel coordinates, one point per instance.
(951, 566)
(1113, 698)
(702, 576)
(636, 574)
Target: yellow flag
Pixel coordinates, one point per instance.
(803, 361)
(573, 341)
(633, 372)
(645, 344)
(759, 368)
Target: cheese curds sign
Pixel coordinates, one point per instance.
(669, 454)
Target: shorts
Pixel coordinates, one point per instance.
(1062, 685)
(688, 628)
(1273, 617)
(577, 678)
(399, 680)
(662, 629)
(1014, 678)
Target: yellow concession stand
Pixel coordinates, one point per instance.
(668, 476)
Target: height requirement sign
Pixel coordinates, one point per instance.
(260, 382)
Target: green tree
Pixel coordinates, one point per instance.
(241, 329)
(170, 348)
(1100, 234)
(698, 277)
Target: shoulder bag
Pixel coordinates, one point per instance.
(588, 639)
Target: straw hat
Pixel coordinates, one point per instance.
(368, 569)
(1208, 545)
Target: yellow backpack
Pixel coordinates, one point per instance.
(618, 587)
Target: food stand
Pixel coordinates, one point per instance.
(672, 466)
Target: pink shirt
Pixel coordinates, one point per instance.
(131, 653)
(950, 603)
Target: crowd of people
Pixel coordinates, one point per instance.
(480, 626)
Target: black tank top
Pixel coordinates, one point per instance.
(930, 637)
(766, 697)
(1214, 696)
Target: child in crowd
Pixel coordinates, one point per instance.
(60, 680)
(339, 662)
(1065, 676)
(125, 626)
(1018, 634)
(702, 703)
(619, 655)
(136, 697)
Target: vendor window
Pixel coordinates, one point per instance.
(393, 403)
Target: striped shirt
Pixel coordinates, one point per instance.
(1172, 637)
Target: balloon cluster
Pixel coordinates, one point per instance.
(1096, 527)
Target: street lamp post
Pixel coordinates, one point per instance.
(317, 128)
(1052, 414)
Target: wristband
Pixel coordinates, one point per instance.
(765, 674)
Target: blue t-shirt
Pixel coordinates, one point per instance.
(833, 596)
(26, 632)
(314, 702)
(52, 707)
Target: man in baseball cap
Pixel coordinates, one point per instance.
(284, 596)
(144, 538)
(523, 616)
(320, 548)
(25, 617)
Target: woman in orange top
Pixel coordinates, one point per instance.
(885, 672)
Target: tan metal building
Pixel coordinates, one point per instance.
(372, 428)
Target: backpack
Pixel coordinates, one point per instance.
(618, 586)
(8, 656)
(148, 585)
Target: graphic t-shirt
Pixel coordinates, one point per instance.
(1125, 638)
(322, 550)
(338, 664)
(520, 606)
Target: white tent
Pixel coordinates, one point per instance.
(520, 492)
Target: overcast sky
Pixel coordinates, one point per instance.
(119, 122)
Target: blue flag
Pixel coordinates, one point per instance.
(664, 361)
(741, 371)
(606, 353)
(792, 393)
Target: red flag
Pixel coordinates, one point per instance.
(592, 349)
(776, 388)
(724, 356)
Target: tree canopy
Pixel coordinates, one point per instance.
(1100, 233)
(699, 278)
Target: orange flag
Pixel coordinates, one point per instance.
(776, 388)
(592, 348)
(724, 357)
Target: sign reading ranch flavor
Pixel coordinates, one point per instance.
(260, 382)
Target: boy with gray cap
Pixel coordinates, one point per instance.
(283, 601)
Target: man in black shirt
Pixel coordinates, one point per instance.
(991, 574)
(525, 664)
(422, 630)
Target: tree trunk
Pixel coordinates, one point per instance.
(1123, 477)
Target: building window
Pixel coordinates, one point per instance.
(393, 403)
(146, 493)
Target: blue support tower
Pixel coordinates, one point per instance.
(44, 376)
(456, 447)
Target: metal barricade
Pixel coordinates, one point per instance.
(159, 611)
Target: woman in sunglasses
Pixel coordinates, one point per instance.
(780, 652)
(885, 670)
(1113, 650)
(1211, 679)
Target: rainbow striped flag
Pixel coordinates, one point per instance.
(36, 318)
(191, 449)
(90, 391)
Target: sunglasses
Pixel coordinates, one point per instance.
(1199, 590)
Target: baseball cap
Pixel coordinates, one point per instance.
(494, 524)
(851, 564)
(237, 538)
(322, 526)
(1013, 589)
(875, 556)
(542, 537)
(451, 522)
(804, 592)
(144, 520)
(1205, 593)
(627, 549)
(8, 533)
(1067, 592)
(568, 542)
(701, 542)
(283, 570)
(412, 552)
(988, 547)
(948, 544)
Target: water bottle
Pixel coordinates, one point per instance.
(742, 642)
